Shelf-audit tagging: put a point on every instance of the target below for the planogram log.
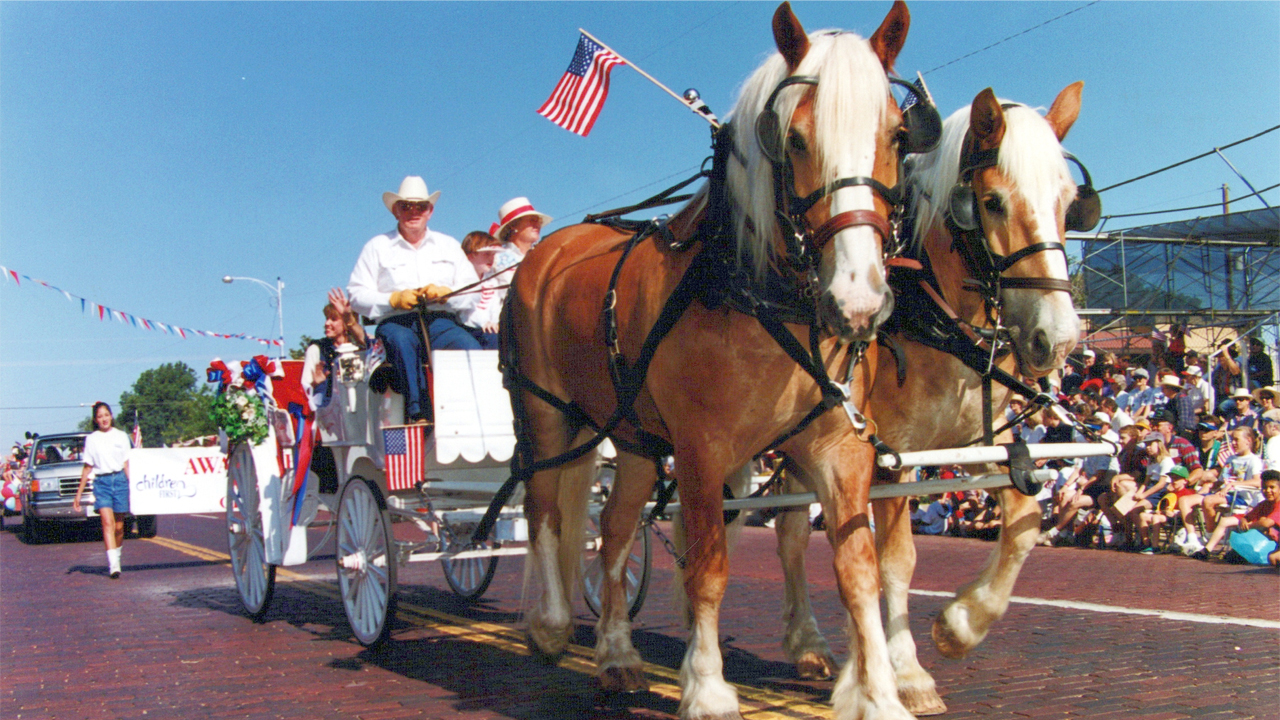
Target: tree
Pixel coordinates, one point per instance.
(300, 352)
(170, 405)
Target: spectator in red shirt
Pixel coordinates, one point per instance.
(1264, 516)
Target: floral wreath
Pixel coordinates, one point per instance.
(244, 394)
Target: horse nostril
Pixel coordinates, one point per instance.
(1041, 348)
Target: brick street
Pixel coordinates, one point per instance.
(170, 640)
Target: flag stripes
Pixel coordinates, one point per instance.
(577, 99)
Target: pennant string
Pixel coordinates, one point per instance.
(105, 313)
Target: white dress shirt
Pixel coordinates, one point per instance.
(389, 263)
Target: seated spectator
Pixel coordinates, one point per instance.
(1243, 414)
(980, 516)
(1090, 482)
(1271, 439)
(1119, 418)
(1265, 516)
(1149, 521)
(1241, 478)
(1266, 399)
(1215, 447)
(1141, 395)
(933, 519)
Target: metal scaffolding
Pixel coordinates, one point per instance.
(1219, 274)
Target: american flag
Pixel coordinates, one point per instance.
(580, 94)
(404, 456)
(136, 436)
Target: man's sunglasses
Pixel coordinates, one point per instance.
(414, 207)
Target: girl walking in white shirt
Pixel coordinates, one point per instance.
(106, 453)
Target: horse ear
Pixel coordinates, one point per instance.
(789, 36)
(889, 38)
(986, 120)
(1065, 110)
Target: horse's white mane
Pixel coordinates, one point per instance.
(852, 93)
(1030, 156)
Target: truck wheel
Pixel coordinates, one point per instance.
(147, 526)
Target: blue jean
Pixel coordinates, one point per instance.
(406, 351)
(111, 490)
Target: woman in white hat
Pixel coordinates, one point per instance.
(519, 229)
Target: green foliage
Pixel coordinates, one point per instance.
(300, 352)
(241, 415)
(170, 404)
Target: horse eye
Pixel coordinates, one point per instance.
(993, 204)
(796, 142)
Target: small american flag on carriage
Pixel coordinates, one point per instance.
(580, 94)
(404, 456)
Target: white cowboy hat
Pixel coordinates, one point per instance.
(1241, 394)
(513, 210)
(412, 189)
(1171, 381)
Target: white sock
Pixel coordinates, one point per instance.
(113, 559)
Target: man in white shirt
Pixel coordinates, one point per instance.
(398, 271)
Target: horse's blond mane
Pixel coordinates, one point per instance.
(1030, 156)
(852, 93)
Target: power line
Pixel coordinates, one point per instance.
(1184, 162)
(1024, 32)
(1195, 207)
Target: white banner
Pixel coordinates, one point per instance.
(174, 481)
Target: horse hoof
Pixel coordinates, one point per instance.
(544, 656)
(623, 680)
(815, 666)
(922, 702)
(948, 642)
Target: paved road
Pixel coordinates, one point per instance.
(1092, 635)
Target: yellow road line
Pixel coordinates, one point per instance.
(664, 681)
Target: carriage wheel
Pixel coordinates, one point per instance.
(635, 576)
(469, 578)
(255, 579)
(366, 561)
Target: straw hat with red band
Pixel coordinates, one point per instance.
(515, 209)
(412, 189)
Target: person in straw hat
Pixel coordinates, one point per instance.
(410, 266)
(519, 229)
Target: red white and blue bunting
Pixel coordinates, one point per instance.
(103, 313)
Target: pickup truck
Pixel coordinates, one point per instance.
(49, 484)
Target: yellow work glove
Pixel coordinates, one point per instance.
(404, 299)
(432, 293)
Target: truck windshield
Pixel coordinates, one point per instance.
(58, 450)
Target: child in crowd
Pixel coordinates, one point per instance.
(1264, 517)
(1242, 477)
(1271, 433)
(1150, 521)
(482, 321)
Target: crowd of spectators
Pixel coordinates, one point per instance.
(1198, 460)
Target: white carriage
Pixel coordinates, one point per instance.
(397, 493)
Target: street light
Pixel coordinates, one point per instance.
(279, 293)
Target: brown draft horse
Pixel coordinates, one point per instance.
(719, 389)
(1023, 199)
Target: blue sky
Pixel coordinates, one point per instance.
(148, 149)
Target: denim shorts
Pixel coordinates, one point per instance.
(111, 491)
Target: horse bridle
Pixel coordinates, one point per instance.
(922, 127)
(964, 220)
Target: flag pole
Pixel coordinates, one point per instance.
(698, 107)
